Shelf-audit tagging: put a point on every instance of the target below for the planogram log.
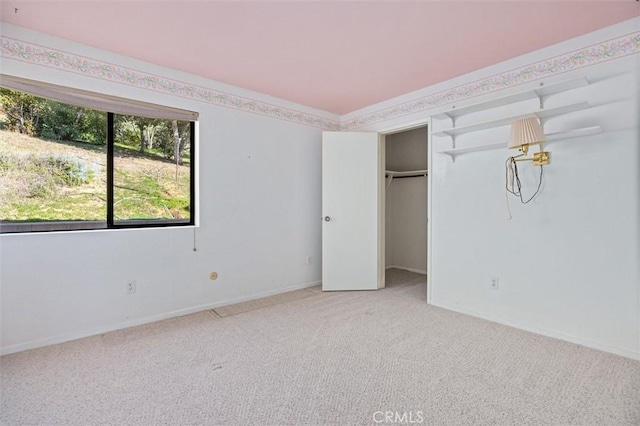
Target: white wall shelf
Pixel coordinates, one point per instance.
(541, 114)
(551, 137)
(538, 92)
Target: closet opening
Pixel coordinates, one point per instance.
(406, 206)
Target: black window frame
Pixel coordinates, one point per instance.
(18, 227)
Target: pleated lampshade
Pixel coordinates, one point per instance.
(526, 131)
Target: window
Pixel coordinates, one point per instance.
(68, 167)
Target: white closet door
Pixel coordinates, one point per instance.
(352, 179)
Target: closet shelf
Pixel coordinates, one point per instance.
(538, 92)
(409, 173)
(542, 114)
(390, 174)
(551, 137)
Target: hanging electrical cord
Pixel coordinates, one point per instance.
(194, 239)
(506, 200)
(513, 184)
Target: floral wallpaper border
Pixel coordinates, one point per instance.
(22, 51)
(612, 49)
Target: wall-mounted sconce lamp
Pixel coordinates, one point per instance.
(525, 132)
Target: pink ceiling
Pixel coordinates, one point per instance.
(335, 56)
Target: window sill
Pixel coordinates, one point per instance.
(29, 228)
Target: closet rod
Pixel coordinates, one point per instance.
(405, 177)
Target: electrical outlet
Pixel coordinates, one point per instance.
(131, 286)
(494, 283)
(308, 260)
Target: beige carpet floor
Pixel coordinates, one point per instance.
(324, 358)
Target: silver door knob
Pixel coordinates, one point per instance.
(327, 218)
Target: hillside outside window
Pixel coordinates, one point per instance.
(92, 162)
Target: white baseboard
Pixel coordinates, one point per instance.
(33, 344)
(542, 331)
(419, 271)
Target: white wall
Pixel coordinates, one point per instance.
(407, 150)
(406, 202)
(567, 262)
(259, 204)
